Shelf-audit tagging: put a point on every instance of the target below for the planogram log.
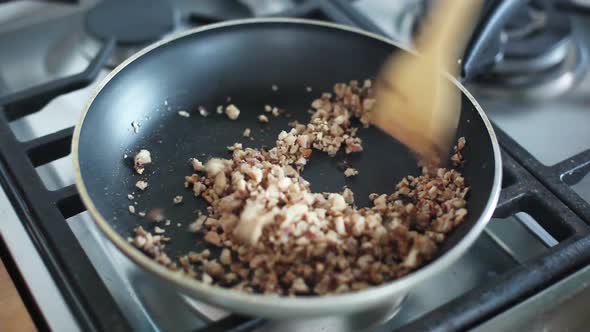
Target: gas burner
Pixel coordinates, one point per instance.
(535, 42)
(132, 23)
(137, 23)
(541, 57)
(364, 321)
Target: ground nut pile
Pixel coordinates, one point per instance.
(277, 236)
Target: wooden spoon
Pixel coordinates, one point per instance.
(415, 102)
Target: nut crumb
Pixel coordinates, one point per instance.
(235, 146)
(225, 257)
(457, 157)
(184, 114)
(159, 230)
(141, 159)
(219, 109)
(246, 132)
(262, 118)
(141, 184)
(156, 215)
(177, 199)
(141, 214)
(131, 209)
(197, 224)
(131, 197)
(207, 279)
(350, 172)
(232, 112)
(197, 165)
(213, 238)
(203, 111)
(275, 112)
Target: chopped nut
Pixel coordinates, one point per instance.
(214, 166)
(177, 199)
(207, 279)
(350, 172)
(198, 188)
(213, 238)
(225, 257)
(236, 146)
(156, 215)
(246, 132)
(141, 184)
(131, 209)
(348, 196)
(262, 118)
(299, 286)
(203, 111)
(131, 197)
(276, 236)
(184, 114)
(275, 112)
(197, 224)
(457, 157)
(142, 158)
(197, 165)
(336, 202)
(214, 269)
(232, 112)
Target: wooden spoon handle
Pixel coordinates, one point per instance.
(416, 103)
(447, 30)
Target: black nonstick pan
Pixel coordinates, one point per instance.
(242, 61)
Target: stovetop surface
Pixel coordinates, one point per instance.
(47, 43)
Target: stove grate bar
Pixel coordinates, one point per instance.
(553, 177)
(29, 101)
(488, 300)
(46, 149)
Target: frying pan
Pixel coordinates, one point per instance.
(242, 60)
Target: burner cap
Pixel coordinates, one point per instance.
(130, 21)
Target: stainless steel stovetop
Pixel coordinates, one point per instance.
(48, 42)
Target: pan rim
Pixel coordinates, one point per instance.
(304, 306)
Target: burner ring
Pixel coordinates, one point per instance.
(541, 85)
(130, 21)
(537, 43)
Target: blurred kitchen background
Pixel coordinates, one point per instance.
(537, 93)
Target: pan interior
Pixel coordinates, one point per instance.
(242, 63)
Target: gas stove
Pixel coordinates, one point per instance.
(53, 55)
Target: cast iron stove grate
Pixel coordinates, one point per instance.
(528, 186)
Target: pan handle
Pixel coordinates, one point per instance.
(485, 46)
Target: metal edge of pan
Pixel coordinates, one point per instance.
(290, 306)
